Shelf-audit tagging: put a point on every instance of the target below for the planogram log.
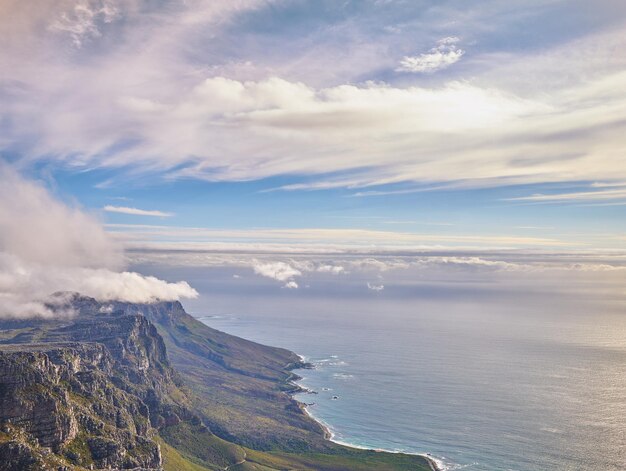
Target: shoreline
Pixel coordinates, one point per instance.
(435, 464)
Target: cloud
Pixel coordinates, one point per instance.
(576, 197)
(32, 283)
(440, 57)
(285, 271)
(380, 134)
(515, 119)
(280, 271)
(81, 20)
(46, 246)
(334, 269)
(475, 271)
(136, 212)
(374, 262)
(37, 228)
(317, 240)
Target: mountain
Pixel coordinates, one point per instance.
(149, 387)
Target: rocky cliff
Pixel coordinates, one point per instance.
(92, 393)
(60, 405)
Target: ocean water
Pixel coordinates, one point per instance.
(483, 378)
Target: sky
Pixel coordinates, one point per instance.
(462, 128)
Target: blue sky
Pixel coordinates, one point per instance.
(421, 124)
(248, 205)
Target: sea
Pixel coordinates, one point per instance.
(480, 376)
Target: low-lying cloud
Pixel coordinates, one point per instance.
(285, 266)
(47, 246)
(286, 271)
(280, 271)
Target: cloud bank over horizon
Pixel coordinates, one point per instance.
(47, 246)
(373, 272)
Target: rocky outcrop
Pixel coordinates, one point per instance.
(31, 393)
(92, 392)
(61, 399)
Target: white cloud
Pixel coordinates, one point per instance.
(471, 263)
(278, 266)
(334, 269)
(80, 21)
(46, 246)
(284, 271)
(30, 284)
(440, 57)
(280, 271)
(231, 130)
(136, 212)
(167, 114)
(36, 228)
(578, 196)
(513, 270)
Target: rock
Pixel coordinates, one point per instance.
(91, 392)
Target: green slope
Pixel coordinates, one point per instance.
(240, 388)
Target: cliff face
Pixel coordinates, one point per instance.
(89, 393)
(63, 398)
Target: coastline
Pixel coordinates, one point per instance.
(435, 464)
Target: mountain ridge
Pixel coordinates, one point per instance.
(149, 387)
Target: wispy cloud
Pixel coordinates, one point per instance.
(608, 184)
(575, 197)
(407, 191)
(443, 55)
(269, 127)
(81, 20)
(136, 211)
(226, 118)
(171, 115)
(320, 240)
